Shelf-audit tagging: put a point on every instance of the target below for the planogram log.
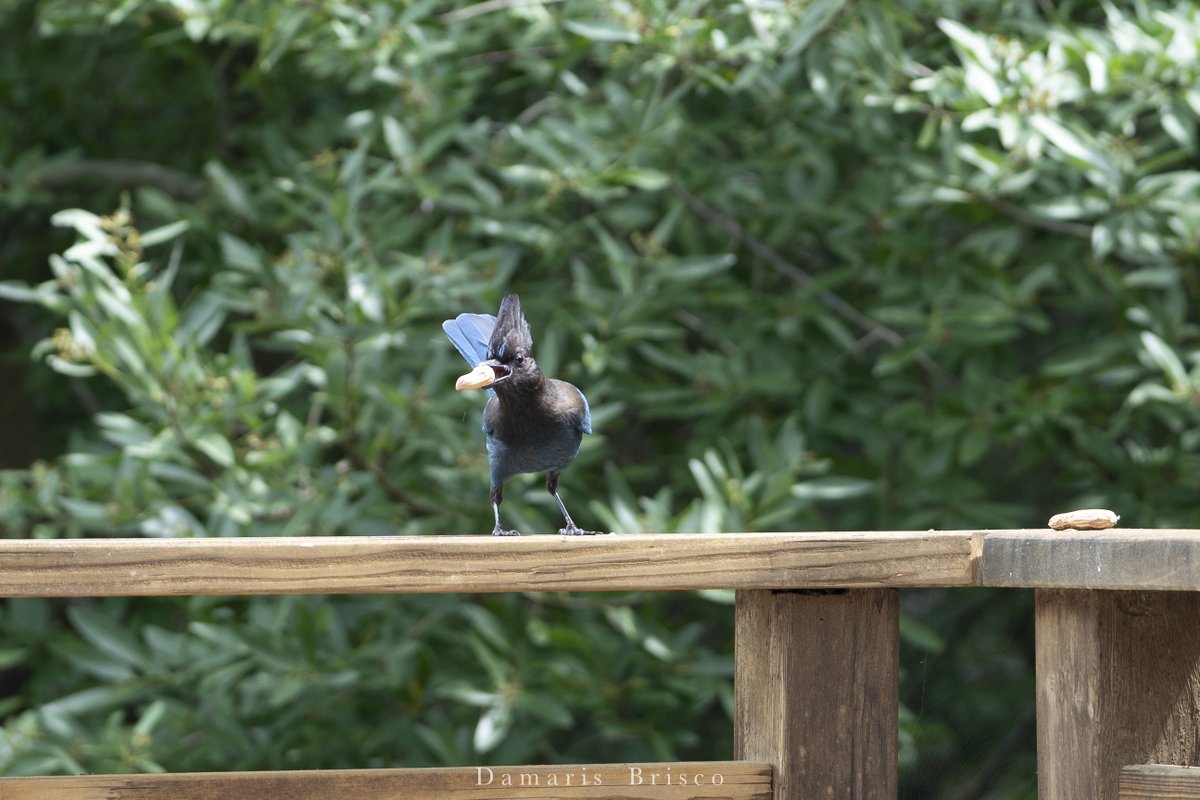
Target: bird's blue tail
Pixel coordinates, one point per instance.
(470, 334)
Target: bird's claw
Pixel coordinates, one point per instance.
(574, 531)
(498, 531)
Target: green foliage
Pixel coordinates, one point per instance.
(821, 265)
(301, 682)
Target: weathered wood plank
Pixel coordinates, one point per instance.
(1117, 559)
(1118, 682)
(411, 564)
(673, 781)
(816, 690)
(1159, 782)
(1114, 559)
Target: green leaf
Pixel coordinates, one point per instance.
(399, 143)
(973, 46)
(1071, 207)
(650, 180)
(86, 658)
(1152, 392)
(832, 488)
(101, 698)
(485, 623)
(465, 693)
(12, 656)
(1072, 144)
(492, 728)
(123, 430)
(202, 320)
(83, 222)
(216, 447)
(150, 718)
(1179, 123)
(239, 254)
(84, 510)
(164, 234)
(694, 268)
(526, 174)
(601, 31)
(19, 292)
(816, 18)
(1166, 360)
(231, 189)
(109, 637)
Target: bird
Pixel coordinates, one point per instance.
(532, 423)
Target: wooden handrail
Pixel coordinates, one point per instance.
(1158, 782)
(415, 564)
(718, 780)
(816, 630)
(1040, 558)
(1122, 558)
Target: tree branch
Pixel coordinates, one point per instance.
(871, 328)
(124, 175)
(1033, 220)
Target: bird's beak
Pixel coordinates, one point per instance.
(485, 374)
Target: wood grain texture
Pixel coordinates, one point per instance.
(1159, 782)
(816, 690)
(1122, 558)
(411, 564)
(1117, 559)
(674, 781)
(1118, 682)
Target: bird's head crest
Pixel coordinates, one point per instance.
(511, 334)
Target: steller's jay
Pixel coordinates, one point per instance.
(533, 423)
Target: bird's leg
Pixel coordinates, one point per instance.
(497, 497)
(571, 529)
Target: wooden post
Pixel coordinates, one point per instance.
(816, 690)
(1118, 683)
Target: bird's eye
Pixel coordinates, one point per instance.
(520, 359)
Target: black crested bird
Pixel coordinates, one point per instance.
(533, 423)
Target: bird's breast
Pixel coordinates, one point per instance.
(530, 443)
(534, 451)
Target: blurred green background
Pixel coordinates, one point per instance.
(818, 266)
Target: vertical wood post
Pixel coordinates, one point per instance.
(1118, 683)
(816, 690)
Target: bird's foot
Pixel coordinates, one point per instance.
(498, 531)
(574, 531)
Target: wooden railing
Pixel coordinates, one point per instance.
(816, 650)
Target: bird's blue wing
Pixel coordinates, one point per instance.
(470, 333)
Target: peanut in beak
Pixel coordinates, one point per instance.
(480, 377)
